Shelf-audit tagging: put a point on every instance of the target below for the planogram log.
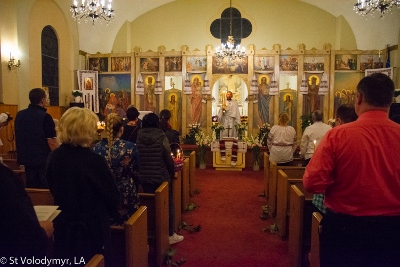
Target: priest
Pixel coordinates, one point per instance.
(229, 116)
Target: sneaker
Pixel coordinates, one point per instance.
(175, 238)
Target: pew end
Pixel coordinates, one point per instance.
(157, 220)
(192, 173)
(314, 251)
(96, 261)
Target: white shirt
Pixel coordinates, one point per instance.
(313, 132)
(282, 142)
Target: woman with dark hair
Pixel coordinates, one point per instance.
(156, 164)
(132, 127)
(123, 159)
(165, 126)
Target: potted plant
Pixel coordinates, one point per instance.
(203, 141)
(217, 128)
(78, 96)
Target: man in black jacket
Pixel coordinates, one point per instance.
(35, 137)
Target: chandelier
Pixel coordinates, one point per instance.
(229, 50)
(92, 10)
(364, 7)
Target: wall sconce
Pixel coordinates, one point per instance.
(13, 64)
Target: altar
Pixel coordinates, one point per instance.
(229, 154)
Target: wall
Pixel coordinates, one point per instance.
(187, 23)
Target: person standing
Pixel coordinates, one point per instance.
(123, 159)
(82, 186)
(344, 114)
(282, 141)
(229, 116)
(132, 127)
(156, 164)
(35, 136)
(357, 166)
(171, 134)
(312, 135)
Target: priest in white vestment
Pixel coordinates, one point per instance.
(229, 116)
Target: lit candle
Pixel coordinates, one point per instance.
(315, 142)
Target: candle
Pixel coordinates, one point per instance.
(315, 141)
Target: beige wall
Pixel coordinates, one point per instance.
(185, 22)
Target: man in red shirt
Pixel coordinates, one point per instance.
(357, 166)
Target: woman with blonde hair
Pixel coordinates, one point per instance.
(123, 160)
(282, 141)
(82, 186)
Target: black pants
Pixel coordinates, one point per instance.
(35, 176)
(347, 240)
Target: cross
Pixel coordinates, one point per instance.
(228, 128)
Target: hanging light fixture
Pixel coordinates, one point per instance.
(229, 50)
(94, 10)
(365, 7)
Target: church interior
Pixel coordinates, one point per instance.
(296, 56)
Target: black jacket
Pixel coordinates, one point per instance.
(156, 163)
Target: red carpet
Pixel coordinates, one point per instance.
(231, 229)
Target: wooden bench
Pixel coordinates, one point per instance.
(314, 251)
(285, 179)
(185, 184)
(17, 169)
(96, 261)
(192, 173)
(40, 196)
(157, 220)
(177, 198)
(273, 177)
(129, 243)
(299, 226)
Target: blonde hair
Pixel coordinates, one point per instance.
(283, 118)
(113, 125)
(78, 127)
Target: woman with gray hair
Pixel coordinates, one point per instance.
(83, 188)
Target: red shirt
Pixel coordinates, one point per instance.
(357, 165)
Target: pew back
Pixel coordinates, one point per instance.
(40, 196)
(157, 220)
(273, 177)
(283, 191)
(314, 252)
(185, 184)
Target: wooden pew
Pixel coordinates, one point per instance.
(299, 226)
(40, 196)
(129, 243)
(192, 173)
(314, 252)
(17, 169)
(177, 198)
(285, 179)
(185, 184)
(157, 220)
(273, 176)
(266, 174)
(96, 261)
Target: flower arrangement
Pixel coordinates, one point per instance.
(190, 138)
(217, 128)
(255, 143)
(203, 141)
(264, 130)
(241, 128)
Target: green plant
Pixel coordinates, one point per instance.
(306, 120)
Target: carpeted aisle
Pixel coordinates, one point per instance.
(231, 229)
